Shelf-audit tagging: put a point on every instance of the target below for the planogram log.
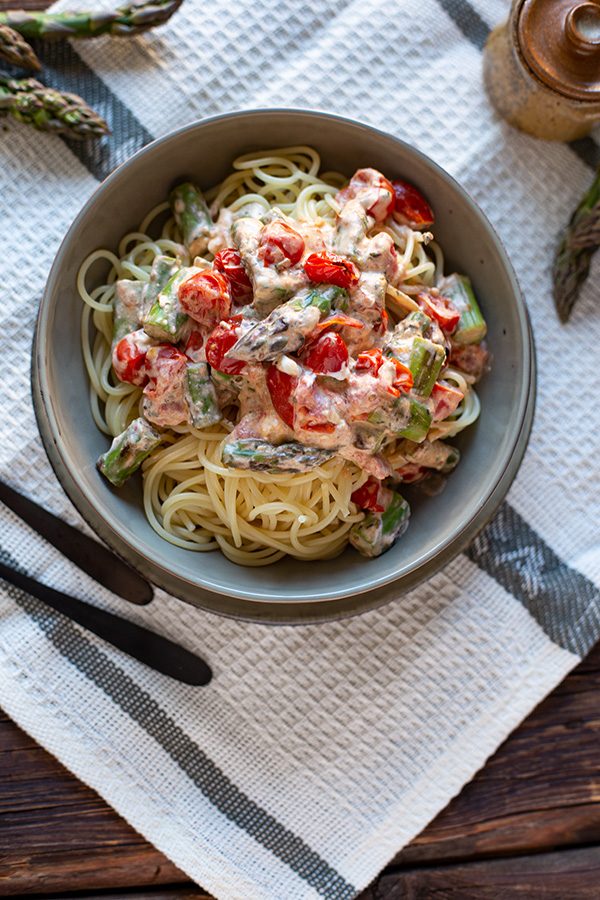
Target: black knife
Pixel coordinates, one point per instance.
(146, 646)
(90, 556)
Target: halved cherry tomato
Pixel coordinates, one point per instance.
(412, 205)
(445, 400)
(229, 263)
(441, 309)
(281, 387)
(219, 342)
(129, 358)
(369, 361)
(162, 362)
(364, 179)
(328, 353)
(327, 268)
(194, 344)
(403, 379)
(411, 472)
(280, 242)
(367, 496)
(205, 297)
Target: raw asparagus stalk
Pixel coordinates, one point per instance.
(376, 533)
(126, 20)
(425, 362)
(32, 103)
(127, 308)
(128, 451)
(192, 217)
(577, 246)
(260, 456)
(163, 268)
(284, 329)
(15, 49)
(165, 319)
(201, 397)
(472, 327)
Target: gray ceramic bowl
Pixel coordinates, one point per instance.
(289, 591)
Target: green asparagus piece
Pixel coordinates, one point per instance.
(425, 362)
(128, 451)
(415, 323)
(406, 418)
(192, 217)
(126, 20)
(284, 329)
(166, 320)
(325, 297)
(201, 397)
(15, 49)
(127, 308)
(32, 103)
(472, 327)
(577, 246)
(260, 456)
(376, 533)
(163, 268)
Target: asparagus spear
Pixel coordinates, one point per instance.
(201, 396)
(192, 217)
(471, 328)
(407, 418)
(31, 102)
(165, 319)
(15, 49)
(425, 361)
(260, 456)
(126, 20)
(284, 329)
(128, 451)
(578, 244)
(163, 268)
(376, 533)
(127, 308)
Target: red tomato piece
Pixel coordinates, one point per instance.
(327, 353)
(411, 472)
(412, 206)
(320, 427)
(129, 358)
(445, 400)
(327, 268)
(367, 496)
(280, 243)
(403, 379)
(194, 345)
(369, 361)
(369, 179)
(281, 387)
(441, 309)
(219, 342)
(381, 326)
(205, 297)
(338, 319)
(229, 264)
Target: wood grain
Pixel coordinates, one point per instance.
(536, 803)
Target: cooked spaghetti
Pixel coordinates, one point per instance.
(278, 357)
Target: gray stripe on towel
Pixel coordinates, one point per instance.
(476, 30)
(563, 601)
(205, 774)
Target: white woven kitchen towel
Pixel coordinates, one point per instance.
(317, 752)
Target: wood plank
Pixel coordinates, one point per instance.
(572, 874)
(539, 792)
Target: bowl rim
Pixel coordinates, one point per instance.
(122, 540)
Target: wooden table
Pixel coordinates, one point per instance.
(527, 826)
